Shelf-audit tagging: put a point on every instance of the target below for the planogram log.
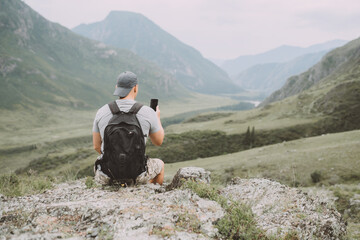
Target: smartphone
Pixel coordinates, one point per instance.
(153, 103)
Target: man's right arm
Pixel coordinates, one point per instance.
(96, 136)
(97, 142)
(157, 137)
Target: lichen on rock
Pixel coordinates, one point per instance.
(282, 210)
(142, 212)
(196, 174)
(150, 212)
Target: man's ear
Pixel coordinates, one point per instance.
(136, 88)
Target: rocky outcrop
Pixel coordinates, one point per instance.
(281, 210)
(150, 212)
(143, 212)
(189, 173)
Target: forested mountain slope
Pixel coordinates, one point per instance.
(44, 63)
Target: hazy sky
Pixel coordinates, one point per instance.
(224, 29)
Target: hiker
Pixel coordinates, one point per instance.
(107, 167)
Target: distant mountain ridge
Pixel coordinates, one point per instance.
(140, 35)
(278, 55)
(330, 90)
(269, 77)
(44, 63)
(337, 66)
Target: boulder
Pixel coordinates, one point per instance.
(196, 174)
(280, 210)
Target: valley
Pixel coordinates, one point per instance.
(40, 132)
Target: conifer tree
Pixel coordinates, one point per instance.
(252, 137)
(247, 138)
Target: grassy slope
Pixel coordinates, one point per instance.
(279, 115)
(336, 156)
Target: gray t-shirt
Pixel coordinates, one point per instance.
(146, 116)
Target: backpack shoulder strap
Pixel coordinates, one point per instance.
(114, 107)
(135, 108)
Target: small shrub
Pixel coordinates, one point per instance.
(89, 182)
(206, 191)
(316, 177)
(162, 232)
(207, 117)
(238, 222)
(87, 171)
(49, 162)
(292, 235)
(9, 185)
(347, 206)
(70, 174)
(189, 222)
(105, 233)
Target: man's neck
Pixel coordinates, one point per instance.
(127, 98)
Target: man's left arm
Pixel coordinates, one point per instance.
(157, 137)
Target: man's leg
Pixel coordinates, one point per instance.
(154, 173)
(100, 177)
(160, 177)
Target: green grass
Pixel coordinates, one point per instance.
(238, 221)
(31, 183)
(191, 145)
(343, 194)
(273, 117)
(204, 115)
(291, 163)
(200, 144)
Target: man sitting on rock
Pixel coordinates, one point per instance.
(127, 89)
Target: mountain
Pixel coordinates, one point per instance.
(330, 88)
(281, 54)
(324, 99)
(217, 61)
(269, 77)
(137, 33)
(43, 63)
(337, 67)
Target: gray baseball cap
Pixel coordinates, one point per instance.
(125, 82)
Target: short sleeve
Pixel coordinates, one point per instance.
(95, 126)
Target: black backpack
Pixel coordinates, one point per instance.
(124, 146)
